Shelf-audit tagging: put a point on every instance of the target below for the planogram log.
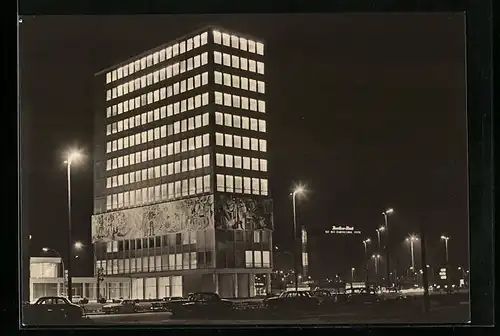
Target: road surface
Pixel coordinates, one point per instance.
(354, 315)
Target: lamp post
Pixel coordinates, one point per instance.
(387, 245)
(298, 190)
(445, 239)
(365, 243)
(379, 230)
(72, 156)
(412, 239)
(376, 258)
(352, 274)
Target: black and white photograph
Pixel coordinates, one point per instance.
(244, 169)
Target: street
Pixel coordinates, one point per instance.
(352, 315)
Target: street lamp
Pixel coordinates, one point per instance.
(365, 243)
(352, 273)
(379, 230)
(412, 239)
(445, 238)
(387, 244)
(73, 156)
(47, 249)
(376, 258)
(298, 191)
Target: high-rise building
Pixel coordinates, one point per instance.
(181, 197)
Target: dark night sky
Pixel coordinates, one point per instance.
(367, 110)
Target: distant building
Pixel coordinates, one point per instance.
(47, 280)
(181, 196)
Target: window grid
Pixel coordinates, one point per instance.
(241, 102)
(144, 196)
(158, 56)
(154, 134)
(238, 42)
(255, 186)
(159, 94)
(238, 82)
(236, 62)
(235, 161)
(254, 144)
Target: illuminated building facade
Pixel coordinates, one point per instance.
(181, 198)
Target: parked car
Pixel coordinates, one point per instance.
(292, 301)
(363, 297)
(164, 304)
(122, 307)
(54, 310)
(202, 304)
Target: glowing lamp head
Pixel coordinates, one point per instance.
(78, 245)
(381, 229)
(445, 237)
(73, 156)
(45, 249)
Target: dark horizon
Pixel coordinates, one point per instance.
(368, 111)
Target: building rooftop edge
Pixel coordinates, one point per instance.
(161, 46)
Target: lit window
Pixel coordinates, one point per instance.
(217, 37)
(182, 67)
(251, 46)
(206, 183)
(252, 66)
(206, 160)
(204, 78)
(217, 57)
(261, 87)
(205, 119)
(162, 55)
(244, 83)
(204, 99)
(176, 88)
(237, 121)
(263, 187)
(197, 121)
(229, 183)
(219, 160)
(243, 43)
(245, 142)
(246, 163)
(262, 106)
(228, 120)
(263, 145)
(235, 61)
(227, 79)
(220, 182)
(236, 81)
(204, 58)
(229, 161)
(253, 85)
(253, 104)
(218, 118)
(182, 47)
(163, 93)
(219, 139)
(254, 144)
(204, 38)
(227, 99)
(247, 188)
(183, 86)
(260, 48)
(245, 123)
(260, 68)
(108, 77)
(175, 50)
(238, 187)
(175, 69)
(226, 40)
(190, 83)
(244, 63)
(236, 101)
(226, 59)
(206, 140)
(184, 166)
(255, 186)
(176, 108)
(197, 101)
(197, 81)
(196, 41)
(255, 164)
(197, 61)
(183, 125)
(191, 123)
(237, 161)
(263, 165)
(234, 41)
(199, 141)
(262, 125)
(254, 124)
(237, 141)
(228, 140)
